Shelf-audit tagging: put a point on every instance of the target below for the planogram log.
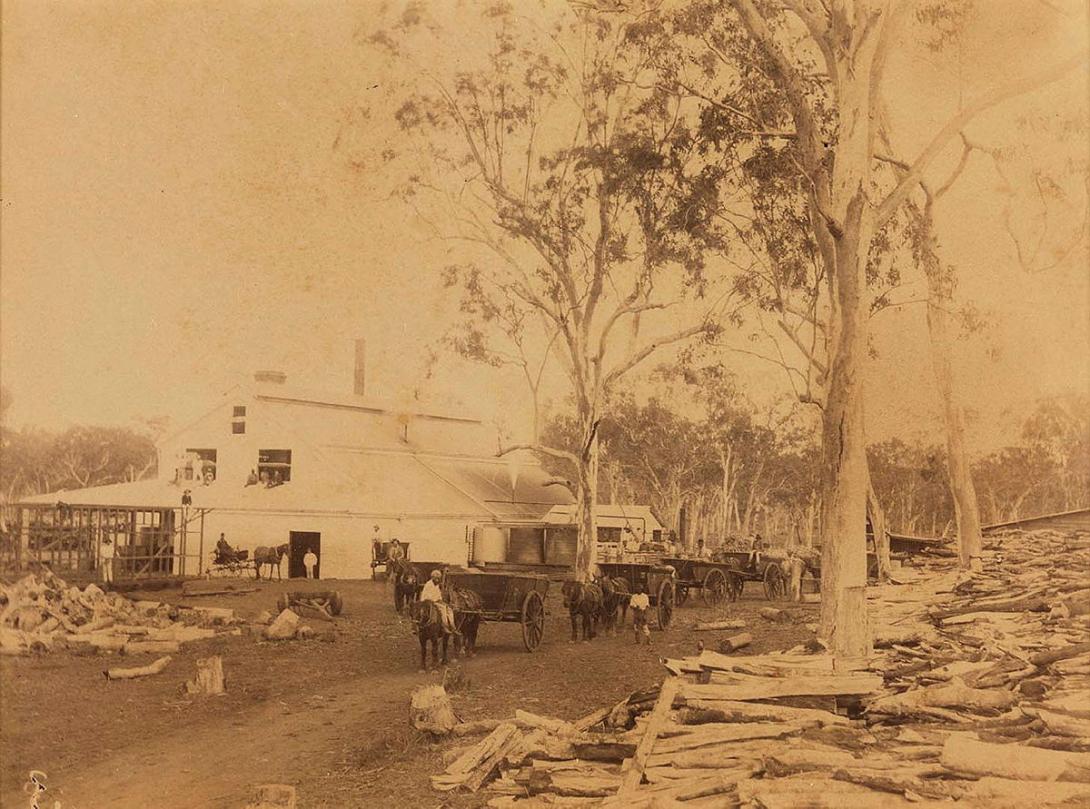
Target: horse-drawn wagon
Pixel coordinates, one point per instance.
(499, 597)
(380, 557)
(657, 580)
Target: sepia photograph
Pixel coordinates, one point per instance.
(620, 404)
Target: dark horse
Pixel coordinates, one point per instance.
(467, 619)
(615, 598)
(582, 599)
(269, 556)
(407, 584)
(429, 629)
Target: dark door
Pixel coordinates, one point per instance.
(299, 542)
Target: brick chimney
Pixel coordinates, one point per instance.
(359, 386)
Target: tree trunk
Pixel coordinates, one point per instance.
(844, 471)
(966, 510)
(586, 500)
(878, 523)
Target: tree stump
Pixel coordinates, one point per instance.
(431, 711)
(209, 679)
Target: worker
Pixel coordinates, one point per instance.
(433, 593)
(187, 498)
(756, 547)
(702, 552)
(251, 479)
(224, 551)
(641, 605)
(106, 552)
(396, 552)
(310, 559)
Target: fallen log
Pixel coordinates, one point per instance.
(736, 642)
(708, 735)
(1014, 761)
(1055, 655)
(476, 726)
(1024, 603)
(141, 671)
(707, 626)
(527, 720)
(1063, 725)
(152, 647)
(767, 688)
(613, 750)
(733, 711)
(954, 695)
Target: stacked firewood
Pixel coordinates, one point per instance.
(978, 695)
(41, 613)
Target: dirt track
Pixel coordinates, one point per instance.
(329, 718)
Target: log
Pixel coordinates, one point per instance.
(733, 711)
(775, 615)
(736, 642)
(613, 750)
(767, 688)
(954, 695)
(1063, 725)
(527, 720)
(430, 710)
(475, 754)
(1024, 603)
(209, 680)
(141, 671)
(783, 662)
(1046, 658)
(591, 719)
(710, 735)
(1039, 793)
(707, 626)
(476, 726)
(1016, 761)
(632, 771)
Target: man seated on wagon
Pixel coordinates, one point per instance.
(433, 593)
(395, 553)
(225, 554)
(756, 547)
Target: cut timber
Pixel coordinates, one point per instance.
(1016, 761)
(632, 772)
(775, 615)
(736, 642)
(1046, 658)
(527, 720)
(991, 787)
(142, 671)
(787, 663)
(1063, 725)
(604, 749)
(430, 710)
(767, 688)
(954, 695)
(591, 719)
(209, 680)
(711, 735)
(476, 726)
(733, 711)
(707, 626)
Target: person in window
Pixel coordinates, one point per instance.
(310, 560)
(252, 479)
(433, 593)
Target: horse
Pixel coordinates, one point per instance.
(429, 629)
(582, 599)
(467, 619)
(407, 583)
(615, 597)
(269, 556)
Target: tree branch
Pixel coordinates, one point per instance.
(562, 454)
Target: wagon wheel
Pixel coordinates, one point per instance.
(735, 585)
(715, 588)
(533, 620)
(666, 603)
(336, 603)
(775, 588)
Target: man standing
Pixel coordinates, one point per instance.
(106, 553)
(310, 560)
(640, 605)
(433, 593)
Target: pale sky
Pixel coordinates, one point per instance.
(175, 216)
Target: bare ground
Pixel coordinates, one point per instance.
(328, 718)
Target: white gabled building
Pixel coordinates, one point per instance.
(344, 464)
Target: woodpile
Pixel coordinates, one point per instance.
(41, 613)
(978, 695)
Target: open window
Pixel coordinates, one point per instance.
(273, 466)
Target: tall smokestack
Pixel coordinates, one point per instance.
(359, 386)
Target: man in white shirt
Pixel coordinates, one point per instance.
(432, 592)
(310, 559)
(106, 552)
(641, 605)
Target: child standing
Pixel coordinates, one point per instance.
(640, 604)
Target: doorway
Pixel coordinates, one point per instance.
(299, 542)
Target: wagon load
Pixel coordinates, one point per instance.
(41, 612)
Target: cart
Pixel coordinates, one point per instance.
(768, 570)
(507, 598)
(237, 563)
(657, 580)
(716, 580)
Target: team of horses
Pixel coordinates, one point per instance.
(603, 601)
